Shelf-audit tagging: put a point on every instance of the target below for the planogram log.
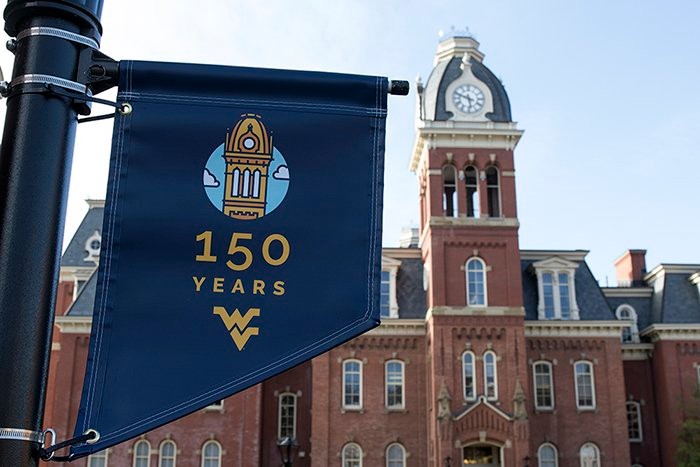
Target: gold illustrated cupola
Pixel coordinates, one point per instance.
(248, 153)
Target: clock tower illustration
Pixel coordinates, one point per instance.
(247, 154)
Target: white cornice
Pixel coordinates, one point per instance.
(662, 269)
(637, 351)
(571, 255)
(474, 311)
(455, 134)
(399, 327)
(628, 292)
(74, 324)
(555, 262)
(444, 221)
(695, 278)
(672, 332)
(71, 273)
(570, 328)
(401, 253)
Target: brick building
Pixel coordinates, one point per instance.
(487, 355)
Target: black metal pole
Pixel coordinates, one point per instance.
(35, 161)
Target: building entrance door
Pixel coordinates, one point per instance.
(482, 455)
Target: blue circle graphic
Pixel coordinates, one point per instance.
(215, 173)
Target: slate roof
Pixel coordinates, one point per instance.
(641, 305)
(410, 295)
(679, 300)
(85, 301)
(75, 253)
(445, 73)
(589, 297)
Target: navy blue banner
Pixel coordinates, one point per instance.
(242, 236)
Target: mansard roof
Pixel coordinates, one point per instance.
(590, 299)
(75, 253)
(85, 301)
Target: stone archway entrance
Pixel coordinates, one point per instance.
(482, 455)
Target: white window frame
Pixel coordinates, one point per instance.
(593, 395)
(495, 375)
(281, 435)
(204, 448)
(464, 376)
(391, 266)
(160, 452)
(354, 406)
(539, 454)
(215, 407)
(638, 409)
(403, 454)
(98, 456)
(344, 453)
(556, 266)
(402, 405)
(634, 329)
(485, 282)
(597, 454)
(135, 449)
(551, 384)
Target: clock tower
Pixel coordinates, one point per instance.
(464, 160)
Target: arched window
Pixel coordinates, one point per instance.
(142, 453)
(547, 456)
(493, 191)
(394, 383)
(211, 454)
(235, 186)
(490, 375)
(631, 333)
(449, 191)
(287, 415)
(246, 183)
(544, 385)
(99, 459)
(469, 375)
(256, 184)
(168, 454)
(585, 385)
(471, 181)
(352, 455)
(634, 421)
(352, 384)
(589, 455)
(395, 456)
(476, 282)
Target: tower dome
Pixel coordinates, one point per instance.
(460, 86)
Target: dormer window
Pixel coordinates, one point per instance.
(557, 295)
(388, 305)
(627, 313)
(93, 245)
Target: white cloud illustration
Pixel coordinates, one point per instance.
(209, 179)
(282, 173)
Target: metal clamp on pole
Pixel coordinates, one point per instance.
(19, 434)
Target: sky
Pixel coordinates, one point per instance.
(607, 93)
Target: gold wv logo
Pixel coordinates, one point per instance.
(238, 325)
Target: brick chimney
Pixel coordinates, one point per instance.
(631, 268)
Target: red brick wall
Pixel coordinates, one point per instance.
(566, 427)
(675, 381)
(639, 387)
(374, 427)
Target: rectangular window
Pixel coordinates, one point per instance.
(287, 415)
(394, 385)
(634, 421)
(585, 388)
(352, 384)
(385, 294)
(548, 291)
(544, 394)
(99, 459)
(564, 300)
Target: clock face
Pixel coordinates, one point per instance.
(468, 98)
